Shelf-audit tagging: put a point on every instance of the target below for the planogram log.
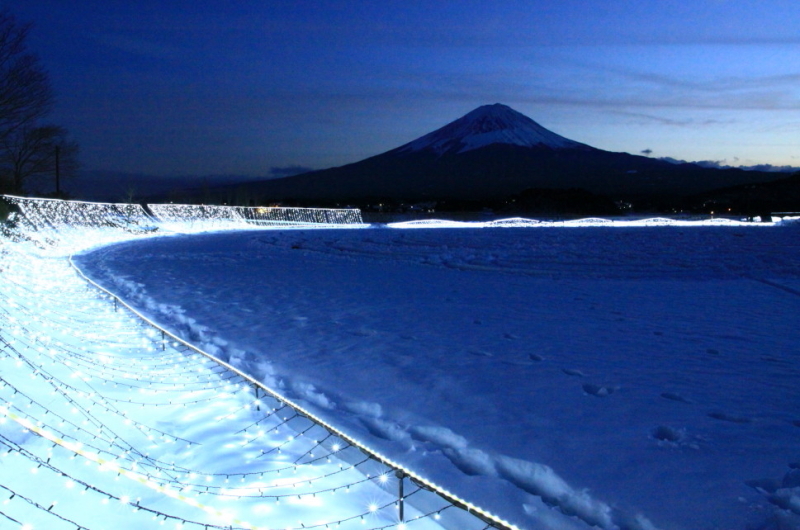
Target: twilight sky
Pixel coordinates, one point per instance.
(240, 87)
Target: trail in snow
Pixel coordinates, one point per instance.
(627, 376)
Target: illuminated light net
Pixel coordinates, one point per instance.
(69, 226)
(518, 222)
(185, 217)
(105, 422)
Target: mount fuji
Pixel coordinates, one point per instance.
(489, 155)
(487, 125)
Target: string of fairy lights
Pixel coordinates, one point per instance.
(100, 411)
(67, 226)
(238, 217)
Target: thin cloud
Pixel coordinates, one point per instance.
(673, 122)
(641, 88)
(723, 164)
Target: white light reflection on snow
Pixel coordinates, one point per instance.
(103, 408)
(518, 222)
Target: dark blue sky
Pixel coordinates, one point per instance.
(202, 87)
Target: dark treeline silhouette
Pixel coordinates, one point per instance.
(34, 154)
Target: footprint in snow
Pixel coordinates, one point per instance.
(573, 372)
(598, 390)
(727, 417)
(775, 360)
(792, 478)
(675, 397)
(519, 363)
(764, 485)
(771, 485)
(535, 357)
(510, 336)
(663, 433)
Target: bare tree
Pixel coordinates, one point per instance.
(31, 152)
(28, 148)
(25, 92)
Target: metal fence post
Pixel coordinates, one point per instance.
(400, 494)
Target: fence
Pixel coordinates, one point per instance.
(72, 225)
(238, 217)
(112, 418)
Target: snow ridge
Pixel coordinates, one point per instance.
(487, 125)
(537, 479)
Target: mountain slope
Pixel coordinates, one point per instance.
(492, 153)
(487, 125)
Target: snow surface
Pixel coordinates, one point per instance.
(631, 377)
(106, 423)
(486, 125)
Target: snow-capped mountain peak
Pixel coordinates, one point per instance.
(486, 125)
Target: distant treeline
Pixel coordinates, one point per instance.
(747, 200)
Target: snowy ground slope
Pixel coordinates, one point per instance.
(102, 429)
(638, 377)
(105, 425)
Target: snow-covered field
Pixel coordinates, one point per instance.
(629, 377)
(107, 422)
